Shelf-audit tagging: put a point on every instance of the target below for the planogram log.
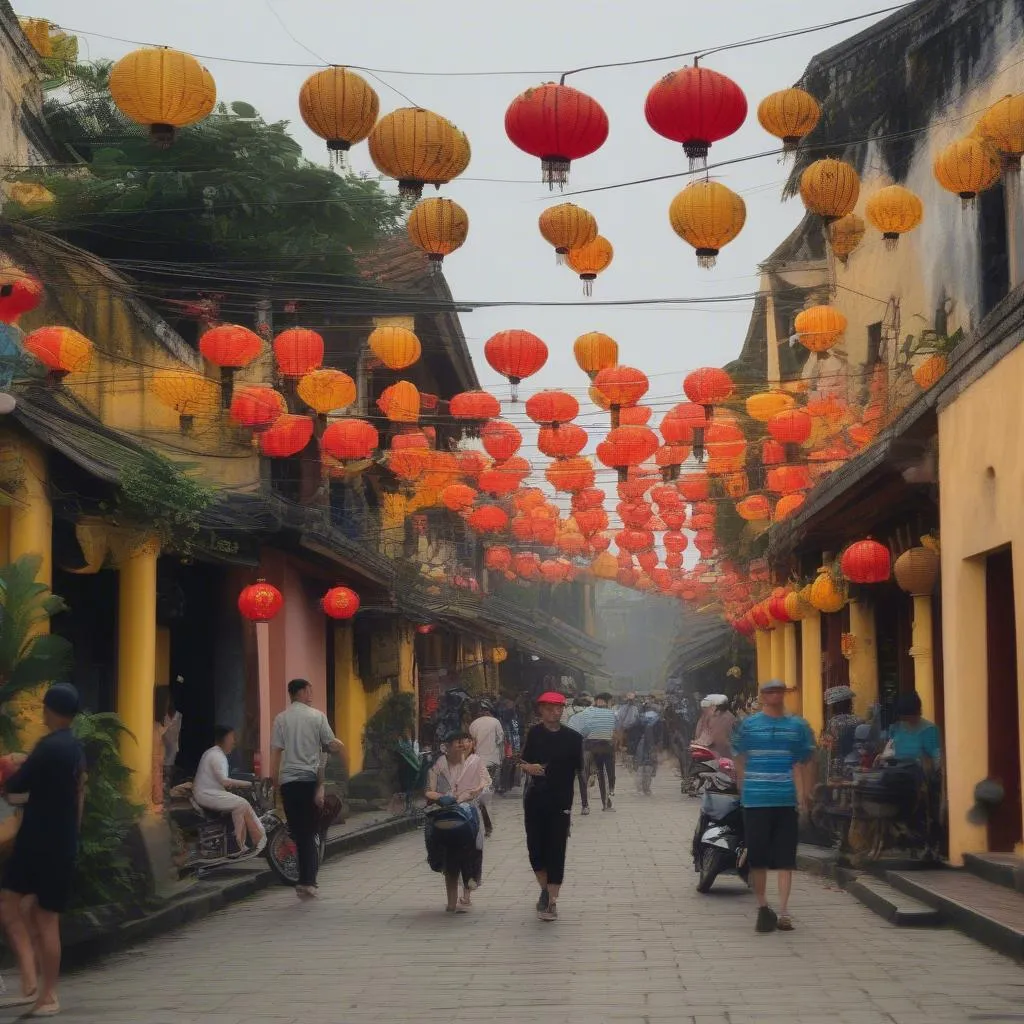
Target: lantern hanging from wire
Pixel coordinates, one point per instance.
(562, 442)
(558, 124)
(488, 519)
(754, 509)
(350, 440)
(830, 188)
(256, 406)
(459, 497)
(866, 561)
(327, 391)
(550, 408)
(1002, 126)
(188, 393)
(595, 352)
(340, 107)
(162, 89)
(230, 347)
(708, 216)
(894, 210)
(400, 402)
(416, 147)
(501, 440)
(567, 226)
(787, 505)
(695, 106)
(498, 558)
(19, 293)
(621, 386)
(438, 227)
(590, 260)
(635, 415)
(260, 601)
(790, 427)
(288, 436)
(789, 115)
(570, 474)
(516, 355)
(819, 328)
(473, 409)
(627, 446)
(396, 347)
(60, 349)
(708, 386)
(298, 351)
(967, 167)
(763, 405)
(844, 235)
(340, 603)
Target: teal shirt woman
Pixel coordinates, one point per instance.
(914, 738)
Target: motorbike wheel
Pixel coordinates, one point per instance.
(710, 868)
(283, 856)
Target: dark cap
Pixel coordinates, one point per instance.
(773, 685)
(62, 699)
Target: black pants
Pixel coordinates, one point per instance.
(601, 756)
(581, 778)
(299, 799)
(547, 835)
(492, 770)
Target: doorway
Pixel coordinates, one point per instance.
(1005, 827)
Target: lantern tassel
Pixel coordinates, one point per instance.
(891, 241)
(588, 287)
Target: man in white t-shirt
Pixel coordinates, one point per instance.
(489, 744)
(300, 738)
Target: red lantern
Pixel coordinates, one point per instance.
(570, 474)
(674, 560)
(408, 455)
(350, 440)
(562, 442)
(647, 560)
(760, 617)
(634, 540)
(298, 351)
(724, 441)
(498, 559)
(674, 519)
(754, 509)
(557, 123)
(288, 436)
(772, 453)
(695, 106)
(675, 541)
(621, 386)
(591, 497)
(488, 519)
(504, 477)
(230, 346)
(425, 628)
(694, 486)
(709, 386)
(635, 514)
(777, 606)
(635, 415)
(527, 565)
(866, 561)
(591, 520)
(61, 350)
(501, 440)
(340, 603)
(475, 406)
(516, 355)
(260, 601)
(627, 446)
(790, 427)
(256, 406)
(787, 479)
(550, 408)
(458, 497)
(704, 542)
(472, 463)
(19, 293)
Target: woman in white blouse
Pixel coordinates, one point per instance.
(212, 783)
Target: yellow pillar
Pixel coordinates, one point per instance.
(790, 669)
(778, 654)
(136, 661)
(864, 660)
(406, 658)
(921, 652)
(349, 697)
(763, 647)
(5, 534)
(810, 663)
(31, 533)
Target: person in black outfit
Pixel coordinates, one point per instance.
(37, 880)
(552, 755)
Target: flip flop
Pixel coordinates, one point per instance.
(49, 1010)
(6, 1002)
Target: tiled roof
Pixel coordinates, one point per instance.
(395, 261)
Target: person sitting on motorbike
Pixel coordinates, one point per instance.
(912, 737)
(211, 790)
(838, 735)
(715, 731)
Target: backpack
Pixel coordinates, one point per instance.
(452, 826)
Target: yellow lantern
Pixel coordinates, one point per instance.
(498, 655)
(188, 393)
(438, 227)
(339, 106)
(894, 210)
(415, 147)
(605, 566)
(708, 216)
(1003, 126)
(163, 89)
(789, 115)
(456, 162)
(590, 260)
(395, 347)
(766, 404)
(29, 194)
(967, 167)
(595, 352)
(819, 328)
(327, 391)
(825, 595)
(844, 235)
(567, 226)
(796, 607)
(830, 188)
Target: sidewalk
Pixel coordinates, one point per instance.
(635, 943)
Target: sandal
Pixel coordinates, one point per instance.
(785, 923)
(48, 1010)
(9, 1002)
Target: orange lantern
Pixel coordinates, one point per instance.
(298, 351)
(395, 347)
(788, 504)
(326, 391)
(830, 188)
(60, 349)
(621, 386)
(788, 479)
(504, 477)
(567, 226)
(438, 227)
(789, 115)
(230, 347)
(400, 402)
(340, 603)
(595, 352)
(754, 509)
(570, 475)
(709, 386)
(498, 559)
(458, 497)
(604, 566)
(792, 427)
(339, 106)
(819, 328)
(590, 260)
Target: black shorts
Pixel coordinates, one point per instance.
(47, 878)
(547, 835)
(772, 834)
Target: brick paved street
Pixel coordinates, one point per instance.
(635, 943)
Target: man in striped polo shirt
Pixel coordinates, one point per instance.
(597, 727)
(773, 751)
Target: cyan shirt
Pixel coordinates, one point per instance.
(771, 747)
(913, 744)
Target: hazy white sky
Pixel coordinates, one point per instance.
(505, 257)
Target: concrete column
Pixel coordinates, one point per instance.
(791, 674)
(921, 652)
(810, 663)
(864, 662)
(778, 654)
(1014, 227)
(136, 662)
(31, 533)
(406, 658)
(350, 711)
(263, 679)
(763, 647)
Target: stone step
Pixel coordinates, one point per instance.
(985, 911)
(894, 906)
(1006, 869)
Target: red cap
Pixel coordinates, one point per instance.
(551, 698)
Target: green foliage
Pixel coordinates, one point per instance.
(156, 494)
(231, 188)
(930, 343)
(105, 873)
(28, 658)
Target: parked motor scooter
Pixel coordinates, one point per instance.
(703, 764)
(718, 841)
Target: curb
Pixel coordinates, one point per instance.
(214, 895)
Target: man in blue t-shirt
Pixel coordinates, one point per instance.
(773, 750)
